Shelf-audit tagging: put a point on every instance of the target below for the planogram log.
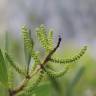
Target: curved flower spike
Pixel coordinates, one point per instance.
(75, 58)
(54, 74)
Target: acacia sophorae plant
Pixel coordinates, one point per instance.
(34, 75)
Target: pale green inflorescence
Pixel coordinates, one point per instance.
(14, 65)
(45, 37)
(50, 39)
(54, 74)
(73, 59)
(28, 42)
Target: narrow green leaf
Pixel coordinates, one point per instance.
(27, 55)
(75, 81)
(3, 71)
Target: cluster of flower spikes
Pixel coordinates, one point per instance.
(45, 36)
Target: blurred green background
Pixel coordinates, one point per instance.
(75, 20)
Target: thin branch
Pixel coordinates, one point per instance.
(39, 67)
(19, 88)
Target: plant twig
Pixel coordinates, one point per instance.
(13, 92)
